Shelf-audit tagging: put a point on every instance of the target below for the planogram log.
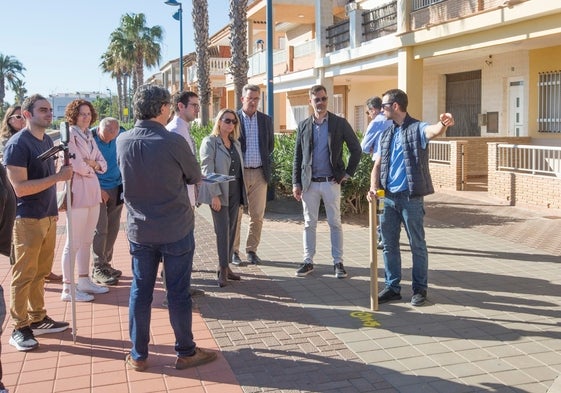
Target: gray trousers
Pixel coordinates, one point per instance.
(107, 229)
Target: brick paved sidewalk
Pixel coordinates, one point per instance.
(493, 322)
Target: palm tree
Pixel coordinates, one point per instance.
(135, 41)
(19, 90)
(11, 70)
(239, 65)
(200, 22)
(112, 62)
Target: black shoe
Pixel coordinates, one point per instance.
(305, 269)
(236, 260)
(114, 272)
(387, 295)
(419, 297)
(47, 325)
(253, 258)
(23, 339)
(103, 276)
(340, 271)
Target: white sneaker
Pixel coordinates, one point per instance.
(79, 296)
(87, 286)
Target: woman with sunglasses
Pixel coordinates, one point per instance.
(221, 153)
(13, 122)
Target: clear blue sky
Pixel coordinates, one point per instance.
(60, 42)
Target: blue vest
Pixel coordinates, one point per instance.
(416, 158)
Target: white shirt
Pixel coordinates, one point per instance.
(181, 127)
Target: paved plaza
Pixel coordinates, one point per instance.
(492, 322)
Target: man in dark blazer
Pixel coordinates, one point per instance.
(257, 142)
(318, 172)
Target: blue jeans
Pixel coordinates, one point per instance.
(178, 264)
(330, 192)
(400, 208)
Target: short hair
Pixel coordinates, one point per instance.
(374, 102)
(316, 89)
(216, 127)
(106, 121)
(6, 129)
(250, 87)
(182, 96)
(148, 101)
(72, 111)
(30, 102)
(399, 96)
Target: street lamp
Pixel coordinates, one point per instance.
(179, 16)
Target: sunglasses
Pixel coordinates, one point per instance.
(19, 117)
(320, 99)
(230, 121)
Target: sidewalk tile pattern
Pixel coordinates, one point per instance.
(492, 322)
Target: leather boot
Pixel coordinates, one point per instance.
(222, 277)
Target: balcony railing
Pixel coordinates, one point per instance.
(217, 67)
(439, 152)
(433, 12)
(536, 160)
(338, 36)
(379, 21)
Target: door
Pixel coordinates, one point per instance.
(516, 118)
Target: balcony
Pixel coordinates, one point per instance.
(217, 67)
(433, 12)
(375, 23)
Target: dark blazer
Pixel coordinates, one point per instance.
(266, 141)
(339, 131)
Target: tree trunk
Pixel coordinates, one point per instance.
(239, 65)
(200, 22)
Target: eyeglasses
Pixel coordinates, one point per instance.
(320, 99)
(230, 121)
(84, 114)
(18, 117)
(387, 104)
(196, 106)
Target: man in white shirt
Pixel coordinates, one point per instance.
(186, 107)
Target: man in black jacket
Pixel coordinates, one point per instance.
(319, 171)
(257, 141)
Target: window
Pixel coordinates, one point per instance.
(338, 105)
(549, 102)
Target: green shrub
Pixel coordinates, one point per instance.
(353, 199)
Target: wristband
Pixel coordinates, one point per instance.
(443, 125)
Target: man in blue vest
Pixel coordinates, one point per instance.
(403, 173)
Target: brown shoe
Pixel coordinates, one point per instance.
(136, 365)
(201, 356)
(53, 277)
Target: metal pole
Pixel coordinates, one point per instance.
(270, 89)
(373, 256)
(180, 47)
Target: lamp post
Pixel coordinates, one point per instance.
(179, 16)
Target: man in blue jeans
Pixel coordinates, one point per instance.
(403, 172)
(160, 224)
